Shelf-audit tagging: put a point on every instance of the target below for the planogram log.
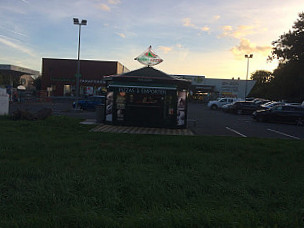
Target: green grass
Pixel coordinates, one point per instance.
(55, 173)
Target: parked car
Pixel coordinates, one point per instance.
(243, 107)
(227, 107)
(292, 103)
(281, 113)
(270, 104)
(90, 103)
(260, 101)
(220, 102)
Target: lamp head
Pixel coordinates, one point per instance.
(76, 21)
(249, 56)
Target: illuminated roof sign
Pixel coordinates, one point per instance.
(149, 58)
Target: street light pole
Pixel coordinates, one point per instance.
(247, 57)
(76, 22)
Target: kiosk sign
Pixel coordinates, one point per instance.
(143, 90)
(149, 58)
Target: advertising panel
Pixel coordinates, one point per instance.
(181, 108)
(120, 106)
(109, 106)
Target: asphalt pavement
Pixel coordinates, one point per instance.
(218, 123)
(59, 106)
(202, 120)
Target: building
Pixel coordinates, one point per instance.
(17, 80)
(204, 89)
(59, 76)
(147, 97)
(14, 73)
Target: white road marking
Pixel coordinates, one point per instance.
(282, 133)
(236, 132)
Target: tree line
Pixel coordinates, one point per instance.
(286, 82)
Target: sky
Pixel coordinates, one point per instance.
(193, 37)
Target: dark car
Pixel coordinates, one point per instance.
(90, 103)
(281, 113)
(243, 107)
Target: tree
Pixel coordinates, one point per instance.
(288, 80)
(263, 79)
(289, 47)
(288, 83)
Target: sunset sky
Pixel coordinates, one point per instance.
(193, 37)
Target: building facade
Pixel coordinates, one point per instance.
(205, 89)
(59, 76)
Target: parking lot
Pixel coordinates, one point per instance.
(210, 122)
(59, 106)
(203, 121)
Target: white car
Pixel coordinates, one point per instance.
(214, 105)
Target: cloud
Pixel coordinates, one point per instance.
(216, 18)
(122, 35)
(205, 29)
(13, 31)
(227, 28)
(25, 1)
(179, 46)
(246, 47)
(4, 40)
(187, 23)
(243, 30)
(239, 32)
(165, 49)
(104, 7)
(114, 2)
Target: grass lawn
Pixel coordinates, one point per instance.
(55, 173)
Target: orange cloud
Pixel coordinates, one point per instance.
(238, 32)
(205, 29)
(187, 23)
(245, 47)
